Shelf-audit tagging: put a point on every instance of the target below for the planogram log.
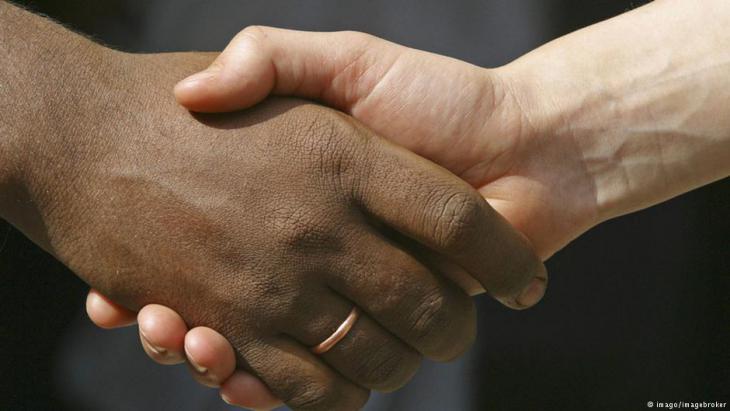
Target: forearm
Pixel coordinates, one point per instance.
(645, 96)
(44, 70)
(9, 132)
(43, 66)
(65, 103)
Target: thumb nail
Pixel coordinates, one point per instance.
(533, 293)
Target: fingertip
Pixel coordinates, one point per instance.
(164, 330)
(106, 314)
(210, 355)
(531, 294)
(223, 93)
(242, 76)
(243, 389)
(190, 91)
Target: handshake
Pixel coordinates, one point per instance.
(309, 251)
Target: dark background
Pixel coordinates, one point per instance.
(638, 309)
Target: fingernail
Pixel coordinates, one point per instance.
(191, 360)
(227, 400)
(198, 368)
(533, 293)
(155, 349)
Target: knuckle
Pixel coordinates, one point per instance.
(387, 368)
(315, 396)
(458, 215)
(329, 143)
(394, 290)
(391, 280)
(445, 327)
(320, 132)
(358, 37)
(254, 32)
(303, 230)
(430, 316)
(311, 396)
(466, 330)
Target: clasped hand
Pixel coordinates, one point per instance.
(327, 215)
(268, 226)
(556, 142)
(248, 238)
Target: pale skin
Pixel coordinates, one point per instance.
(600, 123)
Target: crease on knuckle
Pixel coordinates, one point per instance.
(322, 134)
(381, 369)
(387, 369)
(393, 290)
(302, 230)
(332, 145)
(458, 216)
(313, 396)
(430, 317)
(393, 283)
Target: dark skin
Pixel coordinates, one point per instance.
(267, 225)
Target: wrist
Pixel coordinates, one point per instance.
(50, 78)
(644, 109)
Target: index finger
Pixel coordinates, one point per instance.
(427, 203)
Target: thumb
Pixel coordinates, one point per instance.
(334, 68)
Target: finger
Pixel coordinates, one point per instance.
(105, 313)
(210, 356)
(243, 389)
(162, 334)
(432, 206)
(335, 68)
(300, 379)
(368, 354)
(451, 271)
(425, 310)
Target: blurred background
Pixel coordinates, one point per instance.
(638, 309)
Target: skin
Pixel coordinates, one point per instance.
(600, 123)
(266, 226)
